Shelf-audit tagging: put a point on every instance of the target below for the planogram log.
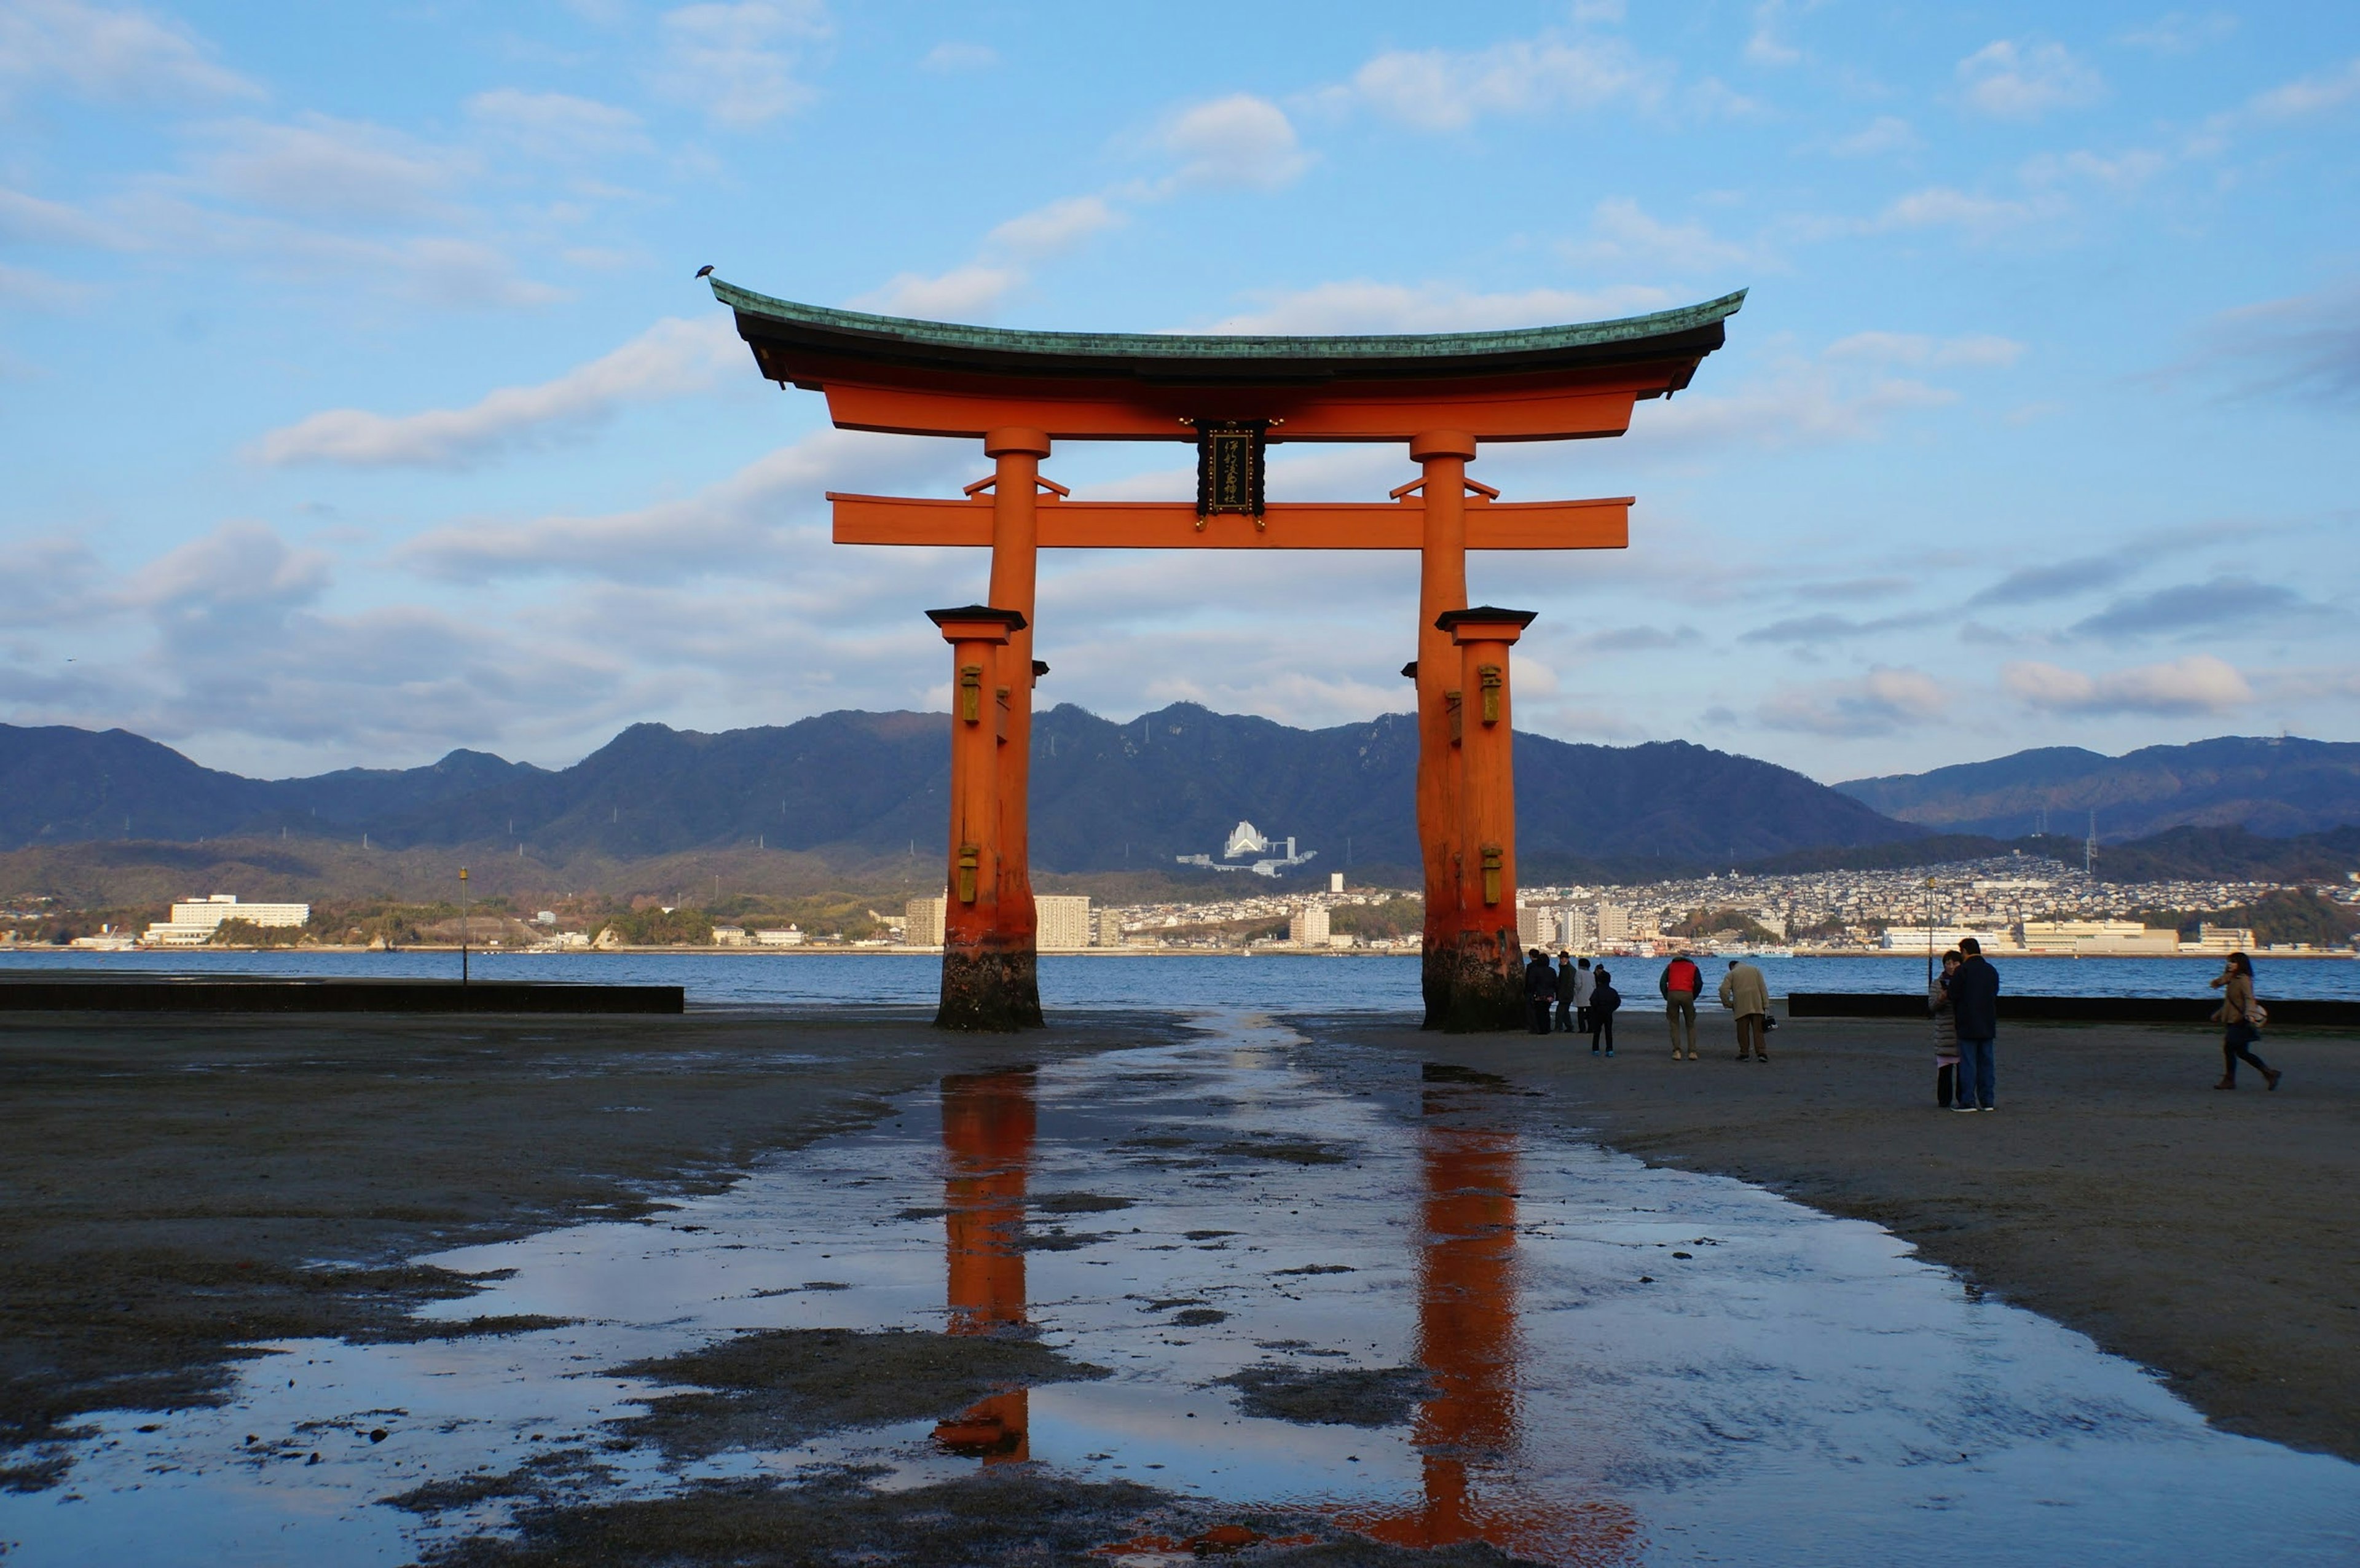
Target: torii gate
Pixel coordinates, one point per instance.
(1442, 394)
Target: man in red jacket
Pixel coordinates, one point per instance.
(1680, 983)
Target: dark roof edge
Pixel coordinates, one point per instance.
(908, 331)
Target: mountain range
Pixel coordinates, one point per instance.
(1107, 796)
(2275, 786)
(853, 788)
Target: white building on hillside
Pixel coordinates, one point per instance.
(194, 921)
(1307, 926)
(921, 921)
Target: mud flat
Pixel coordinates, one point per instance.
(2206, 1235)
(178, 1188)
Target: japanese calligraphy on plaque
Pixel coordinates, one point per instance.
(1229, 467)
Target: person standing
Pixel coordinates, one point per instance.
(1678, 985)
(1564, 987)
(1974, 1012)
(1745, 992)
(1946, 1029)
(1605, 1001)
(1540, 991)
(1585, 984)
(2243, 1015)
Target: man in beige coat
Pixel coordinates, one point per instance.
(1745, 992)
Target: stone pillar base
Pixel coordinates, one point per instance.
(1481, 985)
(989, 989)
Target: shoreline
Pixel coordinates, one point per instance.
(811, 951)
(188, 1190)
(2196, 1233)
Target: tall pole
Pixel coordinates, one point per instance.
(1487, 976)
(1441, 587)
(987, 980)
(1016, 452)
(467, 907)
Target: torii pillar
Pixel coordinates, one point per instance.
(990, 974)
(1480, 972)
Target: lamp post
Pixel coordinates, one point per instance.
(465, 908)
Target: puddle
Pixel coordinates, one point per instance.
(1407, 1303)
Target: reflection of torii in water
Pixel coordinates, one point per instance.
(1466, 1431)
(988, 1137)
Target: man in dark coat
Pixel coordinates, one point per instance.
(1540, 990)
(1565, 988)
(1974, 1005)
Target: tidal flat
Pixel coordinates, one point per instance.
(759, 1289)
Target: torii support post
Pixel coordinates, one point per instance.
(1442, 587)
(1484, 969)
(989, 979)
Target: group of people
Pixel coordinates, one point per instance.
(1572, 998)
(1964, 1000)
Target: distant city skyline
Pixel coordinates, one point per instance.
(361, 404)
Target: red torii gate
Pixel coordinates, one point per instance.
(1442, 394)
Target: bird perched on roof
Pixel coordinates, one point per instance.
(704, 271)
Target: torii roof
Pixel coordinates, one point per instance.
(894, 373)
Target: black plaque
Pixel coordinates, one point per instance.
(1228, 467)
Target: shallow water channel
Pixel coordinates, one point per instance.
(1544, 1344)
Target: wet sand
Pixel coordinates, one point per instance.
(176, 1189)
(2209, 1236)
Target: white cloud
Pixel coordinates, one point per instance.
(1886, 133)
(2314, 94)
(719, 528)
(964, 293)
(556, 124)
(2179, 32)
(28, 286)
(1054, 228)
(671, 358)
(1623, 235)
(29, 220)
(321, 168)
(1763, 45)
(1912, 348)
(1799, 405)
(1884, 700)
(1942, 206)
(238, 568)
(2120, 171)
(122, 56)
(2197, 684)
(2009, 81)
(1441, 90)
(949, 55)
(737, 62)
(1364, 306)
(1238, 140)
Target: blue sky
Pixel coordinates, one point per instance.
(359, 403)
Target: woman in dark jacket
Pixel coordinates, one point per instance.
(2238, 1039)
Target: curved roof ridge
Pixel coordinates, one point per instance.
(1180, 346)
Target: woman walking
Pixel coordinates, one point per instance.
(1946, 1029)
(2243, 1015)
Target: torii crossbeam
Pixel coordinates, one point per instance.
(1441, 394)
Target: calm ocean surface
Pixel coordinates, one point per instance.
(1290, 982)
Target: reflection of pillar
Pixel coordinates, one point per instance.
(1442, 587)
(988, 1139)
(1016, 452)
(982, 987)
(1467, 1429)
(1488, 991)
